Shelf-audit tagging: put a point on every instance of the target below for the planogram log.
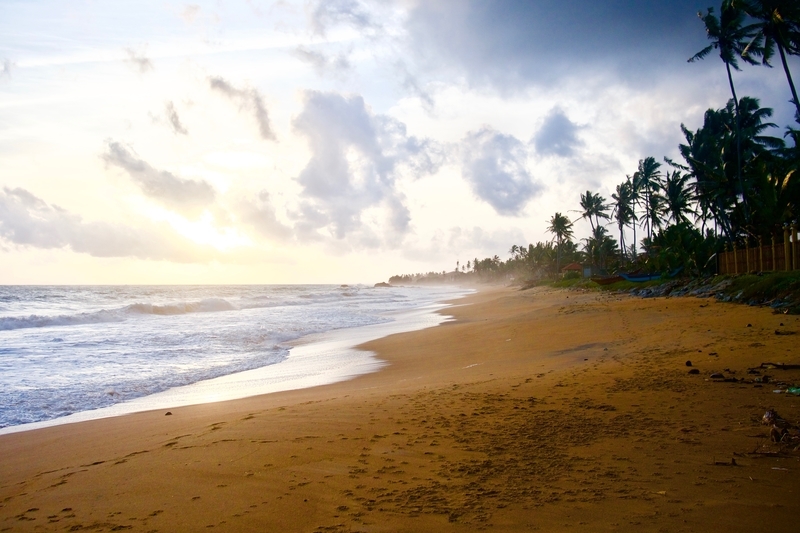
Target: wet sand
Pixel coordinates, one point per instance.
(537, 410)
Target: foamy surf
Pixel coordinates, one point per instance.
(191, 345)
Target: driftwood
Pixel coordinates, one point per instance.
(781, 366)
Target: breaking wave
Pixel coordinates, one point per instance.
(209, 305)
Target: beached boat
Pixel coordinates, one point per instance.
(606, 280)
(639, 278)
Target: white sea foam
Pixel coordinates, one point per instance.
(190, 345)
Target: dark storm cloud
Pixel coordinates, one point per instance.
(249, 100)
(138, 61)
(515, 43)
(355, 157)
(557, 135)
(174, 119)
(27, 220)
(188, 196)
(494, 166)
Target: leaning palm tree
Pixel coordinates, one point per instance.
(561, 227)
(731, 37)
(778, 23)
(624, 212)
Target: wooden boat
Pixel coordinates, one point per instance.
(606, 280)
(639, 278)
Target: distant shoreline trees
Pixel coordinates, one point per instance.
(736, 182)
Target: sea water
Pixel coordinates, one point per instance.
(93, 351)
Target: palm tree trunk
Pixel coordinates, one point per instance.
(738, 146)
(558, 257)
(647, 211)
(789, 78)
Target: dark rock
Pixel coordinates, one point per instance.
(168, 413)
(717, 375)
(749, 325)
(688, 363)
(694, 371)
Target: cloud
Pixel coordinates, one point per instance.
(174, 119)
(557, 135)
(336, 65)
(260, 215)
(190, 12)
(8, 66)
(184, 195)
(138, 61)
(249, 100)
(27, 220)
(518, 43)
(327, 13)
(494, 166)
(356, 157)
(463, 244)
(412, 84)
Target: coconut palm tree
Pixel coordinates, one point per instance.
(624, 212)
(646, 181)
(778, 23)
(678, 196)
(561, 227)
(731, 37)
(594, 205)
(705, 154)
(599, 246)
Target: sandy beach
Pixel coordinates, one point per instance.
(542, 410)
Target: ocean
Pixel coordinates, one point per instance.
(70, 353)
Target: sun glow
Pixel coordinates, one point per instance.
(204, 231)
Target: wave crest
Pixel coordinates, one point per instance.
(208, 305)
(37, 321)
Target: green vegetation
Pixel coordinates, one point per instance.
(738, 179)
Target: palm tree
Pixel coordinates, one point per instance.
(624, 212)
(646, 179)
(779, 26)
(656, 209)
(728, 35)
(598, 246)
(594, 205)
(705, 154)
(561, 227)
(678, 196)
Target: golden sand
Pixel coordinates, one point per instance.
(538, 410)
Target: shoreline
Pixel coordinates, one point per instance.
(314, 360)
(538, 409)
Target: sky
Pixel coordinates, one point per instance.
(329, 141)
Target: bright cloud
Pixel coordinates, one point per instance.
(330, 140)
